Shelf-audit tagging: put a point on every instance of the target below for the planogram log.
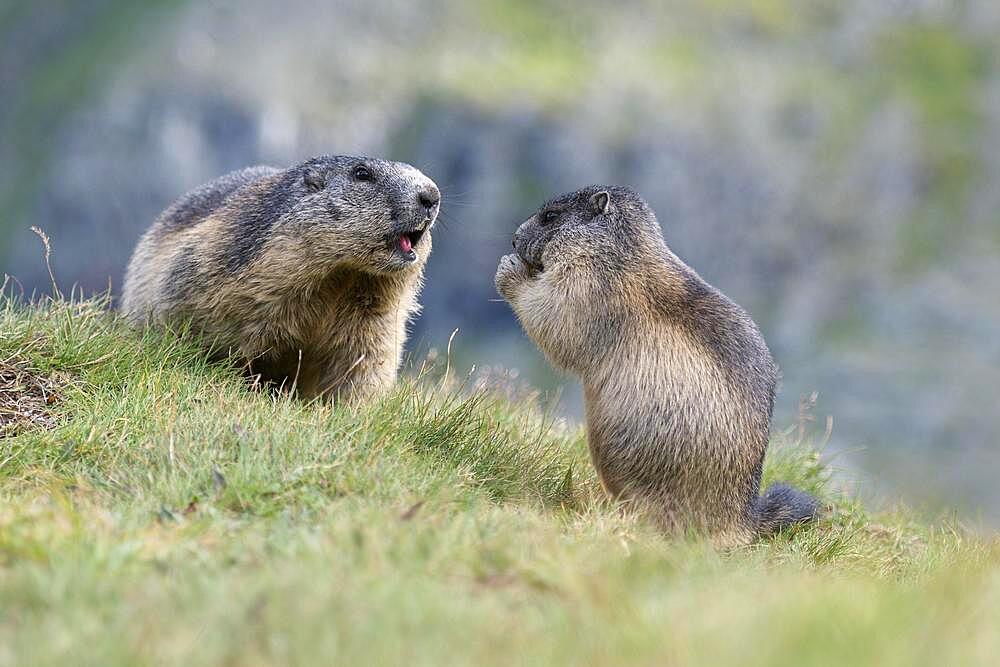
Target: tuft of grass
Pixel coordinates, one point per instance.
(24, 397)
(166, 512)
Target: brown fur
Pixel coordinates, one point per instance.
(297, 270)
(678, 382)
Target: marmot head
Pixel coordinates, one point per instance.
(569, 279)
(605, 226)
(373, 214)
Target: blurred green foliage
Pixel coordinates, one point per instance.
(943, 75)
(87, 44)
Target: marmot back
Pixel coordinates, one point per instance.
(311, 272)
(678, 382)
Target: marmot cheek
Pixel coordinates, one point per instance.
(537, 255)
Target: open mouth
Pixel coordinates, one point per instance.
(407, 241)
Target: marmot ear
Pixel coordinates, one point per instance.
(315, 180)
(601, 202)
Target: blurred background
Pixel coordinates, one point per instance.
(832, 165)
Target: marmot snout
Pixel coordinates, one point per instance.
(678, 382)
(310, 272)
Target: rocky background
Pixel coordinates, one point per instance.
(832, 165)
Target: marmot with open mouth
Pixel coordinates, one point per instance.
(311, 273)
(678, 382)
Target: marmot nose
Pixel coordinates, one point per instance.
(429, 198)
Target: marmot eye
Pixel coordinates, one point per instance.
(362, 173)
(549, 216)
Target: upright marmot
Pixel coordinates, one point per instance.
(678, 382)
(310, 272)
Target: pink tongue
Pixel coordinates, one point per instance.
(404, 243)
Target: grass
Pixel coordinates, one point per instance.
(164, 512)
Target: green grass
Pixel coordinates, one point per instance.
(176, 516)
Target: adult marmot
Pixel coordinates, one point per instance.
(678, 382)
(310, 272)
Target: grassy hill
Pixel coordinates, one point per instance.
(156, 509)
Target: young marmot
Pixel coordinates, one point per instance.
(311, 272)
(678, 382)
